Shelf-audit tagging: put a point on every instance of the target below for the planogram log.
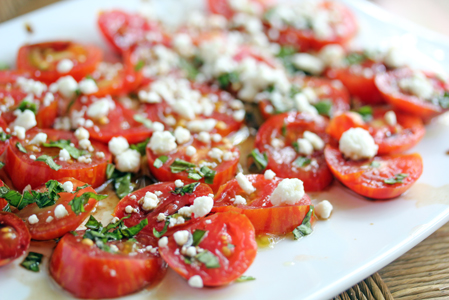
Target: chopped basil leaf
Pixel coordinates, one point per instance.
(2, 164)
(224, 80)
(122, 185)
(140, 64)
(244, 278)
(32, 261)
(4, 66)
(230, 246)
(4, 136)
(355, 58)
(21, 148)
(286, 51)
(294, 90)
(187, 260)
(208, 259)
(132, 231)
(78, 202)
(186, 189)
(110, 170)
(398, 178)
(260, 160)
(295, 146)
(302, 161)
(306, 227)
(140, 147)
(375, 164)
(444, 100)
(158, 162)
(197, 236)
(93, 223)
(194, 176)
(7, 208)
(25, 104)
(144, 121)
(284, 129)
(158, 234)
(324, 107)
(190, 69)
(49, 161)
(209, 174)
(64, 144)
(74, 233)
(180, 165)
(366, 112)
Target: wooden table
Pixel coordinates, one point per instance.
(423, 272)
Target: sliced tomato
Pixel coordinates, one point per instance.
(265, 217)
(41, 60)
(387, 83)
(169, 204)
(368, 177)
(49, 226)
(86, 271)
(123, 30)
(282, 158)
(343, 30)
(14, 237)
(220, 102)
(119, 121)
(222, 7)
(359, 80)
(23, 170)
(398, 138)
(326, 91)
(230, 237)
(3, 202)
(224, 170)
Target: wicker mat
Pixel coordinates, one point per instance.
(422, 273)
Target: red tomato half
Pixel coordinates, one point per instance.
(88, 272)
(225, 170)
(123, 30)
(55, 228)
(265, 217)
(387, 84)
(119, 121)
(41, 60)
(169, 204)
(229, 236)
(359, 80)
(14, 237)
(23, 170)
(287, 128)
(367, 179)
(222, 7)
(343, 30)
(398, 138)
(325, 90)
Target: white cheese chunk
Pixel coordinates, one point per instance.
(100, 108)
(215, 153)
(163, 242)
(239, 200)
(182, 135)
(417, 85)
(332, 55)
(81, 134)
(390, 118)
(195, 281)
(202, 125)
(289, 191)
(117, 145)
(314, 139)
(245, 184)
(64, 66)
(149, 202)
(162, 142)
(181, 237)
(67, 186)
(179, 183)
(305, 147)
(64, 155)
(308, 63)
(202, 206)
(303, 105)
(128, 161)
(190, 151)
(61, 211)
(357, 143)
(88, 86)
(269, 175)
(25, 119)
(324, 209)
(39, 139)
(67, 86)
(204, 137)
(33, 219)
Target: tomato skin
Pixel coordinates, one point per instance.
(369, 181)
(387, 85)
(315, 177)
(12, 248)
(168, 205)
(239, 232)
(120, 116)
(221, 7)
(92, 55)
(306, 39)
(58, 227)
(360, 86)
(88, 272)
(224, 171)
(390, 139)
(324, 89)
(265, 217)
(23, 170)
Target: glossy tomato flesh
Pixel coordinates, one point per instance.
(14, 237)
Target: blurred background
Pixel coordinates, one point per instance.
(432, 14)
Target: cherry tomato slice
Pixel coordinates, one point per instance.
(287, 128)
(359, 80)
(41, 60)
(169, 204)
(3, 202)
(49, 226)
(123, 30)
(222, 7)
(225, 170)
(229, 236)
(265, 217)
(367, 177)
(86, 271)
(326, 91)
(387, 83)
(23, 170)
(119, 121)
(14, 237)
(398, 138)
(343, 30)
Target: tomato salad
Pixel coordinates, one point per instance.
(160, 130)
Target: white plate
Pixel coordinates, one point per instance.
(361, 237)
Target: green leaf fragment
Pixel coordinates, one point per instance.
(260, 160)
(186, 189)
(306, 227)
(64, 144)
(197, 236)
(324, 107)
(398, 178)
(302, 161)
(80, 201)
(21, 148)
(32, 261)
(144, 121)
(244, 278)
(208, 259)
(49, 161)
(160, 161)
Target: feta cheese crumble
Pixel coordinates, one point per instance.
(357, 143)
(324, 209)
(61, 211)
(162, 142)
(245, 184)
(289, 191)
